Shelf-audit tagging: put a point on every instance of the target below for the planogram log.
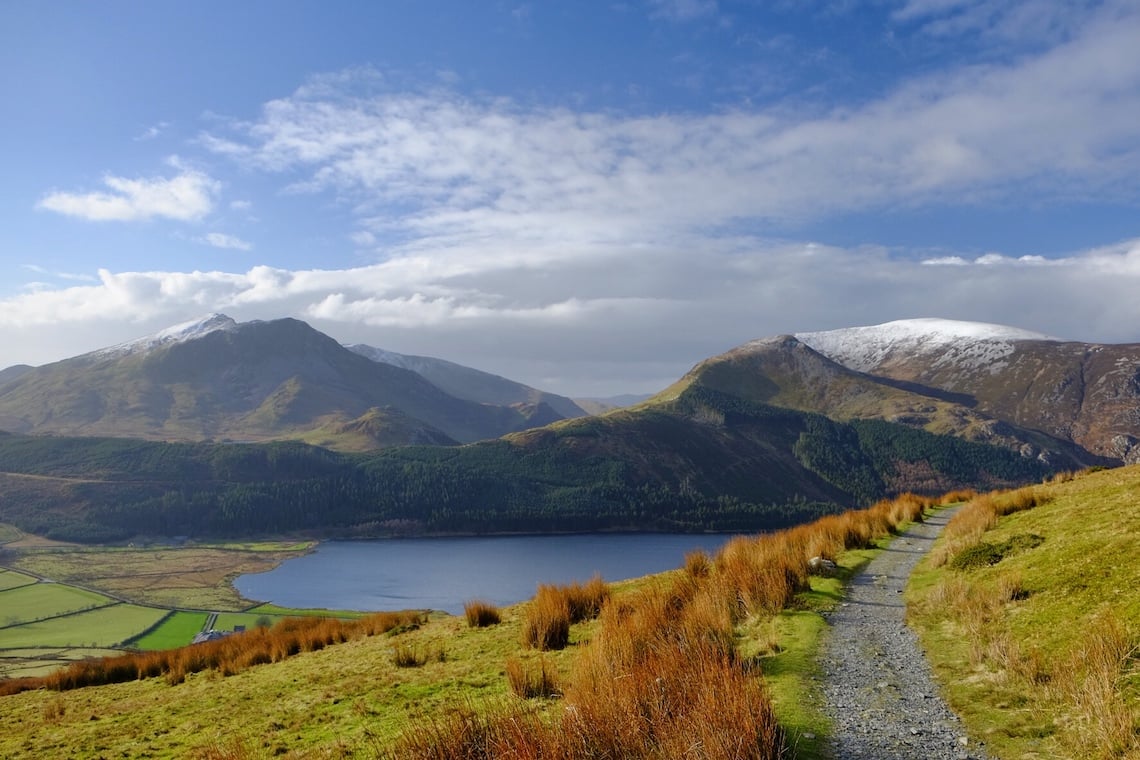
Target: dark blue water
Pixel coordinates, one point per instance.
(443, 573)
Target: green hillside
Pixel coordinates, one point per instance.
(703, 461)
(1030, 611)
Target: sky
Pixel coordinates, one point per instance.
(587, 197)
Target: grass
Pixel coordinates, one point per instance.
(173, 577)
(480, 613)
(42, 601)
(1037, 649)
(634, 682)
(103, 627)
(176, 630)
(11, 579)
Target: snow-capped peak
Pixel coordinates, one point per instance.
(179, 333)
(972, 344)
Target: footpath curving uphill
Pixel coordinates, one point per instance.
(877, 685)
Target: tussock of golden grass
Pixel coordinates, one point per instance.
(547, 622)
(586, 601)
(555, 608)
(980, 515)
(470, 734)
(660, 677)
(406, 655)
(229, 655)
(1089, 683)
(481, 614)
(532, 682)
(698, 564)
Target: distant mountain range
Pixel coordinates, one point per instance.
(771, 432)
(216, 379)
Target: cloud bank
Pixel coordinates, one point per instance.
(594, 252)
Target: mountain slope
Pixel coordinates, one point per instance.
(11, 373)
(471, 384)
(786, 372)
(702, 461)
(1085, 393)
(252, 381)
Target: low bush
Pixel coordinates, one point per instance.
(228, 655)
(530, 683)
(481, 614)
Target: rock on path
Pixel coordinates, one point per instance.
(877, 685)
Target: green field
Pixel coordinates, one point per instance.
(11, 579)
(176, 630)
(41, 601)
(103, 627)
(9, 533)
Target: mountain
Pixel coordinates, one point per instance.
(785, 371)
(217, 379)
(1084, 393)
(472, 384)
(703, 460)
(11, 373)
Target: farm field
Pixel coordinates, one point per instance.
(11, 579)
(189, 577)
(100, 628)
(176, 630)
(43, 601)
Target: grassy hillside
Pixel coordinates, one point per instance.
(1030, 611)
(258, 381)
(641, 669)
(703, 461)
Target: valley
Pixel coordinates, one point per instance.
(137, 482)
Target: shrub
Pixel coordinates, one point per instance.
(530, 683)
(547, 623)
(406, 655)
(481, 614)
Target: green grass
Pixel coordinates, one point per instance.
(40, 601)
(790, 670)
(9, 533)
(103, 627)
(176, 630)
(11, 579)
(1003, 670)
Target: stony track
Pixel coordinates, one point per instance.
(877, 684)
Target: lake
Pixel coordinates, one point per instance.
(443, 573)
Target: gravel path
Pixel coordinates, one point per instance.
(877, 686)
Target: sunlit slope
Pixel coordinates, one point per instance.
(704, 460)
(1033, 625)
(787, 372)
(252, 381)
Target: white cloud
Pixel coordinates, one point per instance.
(645, 314)
(222, 240)
(185, 197)
(442, 170)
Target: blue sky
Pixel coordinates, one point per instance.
(588, 197)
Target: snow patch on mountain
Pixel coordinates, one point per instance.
(179, 333)
(971, 345)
